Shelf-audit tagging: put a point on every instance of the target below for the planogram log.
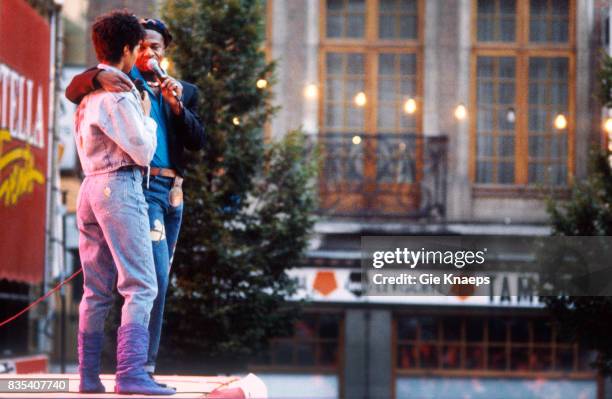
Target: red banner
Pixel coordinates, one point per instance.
(24, 115)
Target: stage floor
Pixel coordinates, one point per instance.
(186, 386)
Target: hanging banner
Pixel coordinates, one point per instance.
(24, 115)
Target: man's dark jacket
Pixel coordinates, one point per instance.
(184, 130)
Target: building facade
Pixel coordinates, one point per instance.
(436, 118)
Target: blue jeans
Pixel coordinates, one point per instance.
(114, 245)
(165, 223)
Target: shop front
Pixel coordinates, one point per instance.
(498, 346)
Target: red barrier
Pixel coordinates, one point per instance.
(36, 364)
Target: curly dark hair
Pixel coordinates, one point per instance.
(112, 31)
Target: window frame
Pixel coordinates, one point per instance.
(522, 50)
(552, 345)
(371, 46)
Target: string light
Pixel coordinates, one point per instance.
(236, 120)
(165, 64)
(460, 112)
(360, 99)
(310, 91)
(262, 84)
(511, 115)
(560, 122)
(608, 125)
(608, 129)
(410, 106)
(356, 140)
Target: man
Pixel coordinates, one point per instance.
(115, 139)
(174, 108)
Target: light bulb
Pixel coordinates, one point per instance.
(608, 125)
(460, 112)
(511, 115)
(410, 106)
(560, 122)
(360, 99)
(164, 64)
(236, 120)
(356, 140)
(262, 84)
(310, 91)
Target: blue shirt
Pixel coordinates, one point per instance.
(161, 158)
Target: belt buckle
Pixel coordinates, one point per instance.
(175, 196)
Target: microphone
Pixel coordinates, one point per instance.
(154, 66)
(159, 72)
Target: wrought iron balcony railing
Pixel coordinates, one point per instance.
(387, 175)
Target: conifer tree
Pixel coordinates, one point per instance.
(588, 212)
(248, 203)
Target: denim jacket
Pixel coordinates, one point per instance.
(111, 131)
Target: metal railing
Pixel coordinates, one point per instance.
(387, 175)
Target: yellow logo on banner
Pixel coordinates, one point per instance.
(21, 178)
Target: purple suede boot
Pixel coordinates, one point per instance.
(90, 348)
(131, 377)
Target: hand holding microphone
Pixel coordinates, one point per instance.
(171, 88)
(167, 81)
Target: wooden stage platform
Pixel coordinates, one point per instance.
(186, 386)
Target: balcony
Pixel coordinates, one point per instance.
(384, 176)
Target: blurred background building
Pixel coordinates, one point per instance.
(438, 117)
